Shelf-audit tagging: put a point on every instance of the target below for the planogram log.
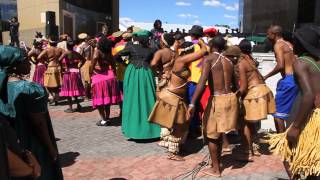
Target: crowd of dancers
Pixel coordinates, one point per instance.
(173, 87)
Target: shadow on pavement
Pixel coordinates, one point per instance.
(86, 109)
(229, 161)
(68, 158)
(143, 141)
(115, 121)
(192, 146)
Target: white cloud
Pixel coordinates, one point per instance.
(233, 7)
(218, 3)
(197, 22)
(182, 3)
(187, 15)
(230, 16)
(126, 19)
(213, 3)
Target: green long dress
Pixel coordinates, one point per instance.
(24, 98)
(139, 96)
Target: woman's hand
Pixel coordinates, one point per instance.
(190, 113)
(32, 161)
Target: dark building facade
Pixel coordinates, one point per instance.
(255, 16)
(60, 17)
(88, 16)
(8, 9)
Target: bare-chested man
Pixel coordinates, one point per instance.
(222, 110)
(258, 100)
(52, 76)
(287, 88)
(303, 135)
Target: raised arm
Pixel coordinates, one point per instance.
(305, 104)
(196, 55)
(31, 56)
(94, 60)
(125, 52)
(200, 87)
(156, 59)
(42, 55)
(63, 55)
(82, 59)
(280, 62)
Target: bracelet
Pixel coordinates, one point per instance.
(191, 105)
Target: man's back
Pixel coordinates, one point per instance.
(52, 54)
(221, 74)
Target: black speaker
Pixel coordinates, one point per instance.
(51, 17)
(4, 26)
(52, 30)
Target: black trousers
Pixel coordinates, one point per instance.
(15, 40)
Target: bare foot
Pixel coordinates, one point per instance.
(212, 171)
(175, 157)
(226, 150)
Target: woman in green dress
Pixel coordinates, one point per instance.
(25, 103)
(139, 90)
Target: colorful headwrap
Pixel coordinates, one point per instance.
(142, 33)
(9, 57)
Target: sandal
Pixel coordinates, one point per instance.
(69, 110)
(107, 123)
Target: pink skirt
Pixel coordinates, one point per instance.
(39, 73)
(105, 89)
(72, 85)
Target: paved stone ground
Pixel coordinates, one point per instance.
(89, 152)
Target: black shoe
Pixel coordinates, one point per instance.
(107, 123)
(79, 108)
(69, 110)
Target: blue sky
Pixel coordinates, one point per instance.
(203, 12)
